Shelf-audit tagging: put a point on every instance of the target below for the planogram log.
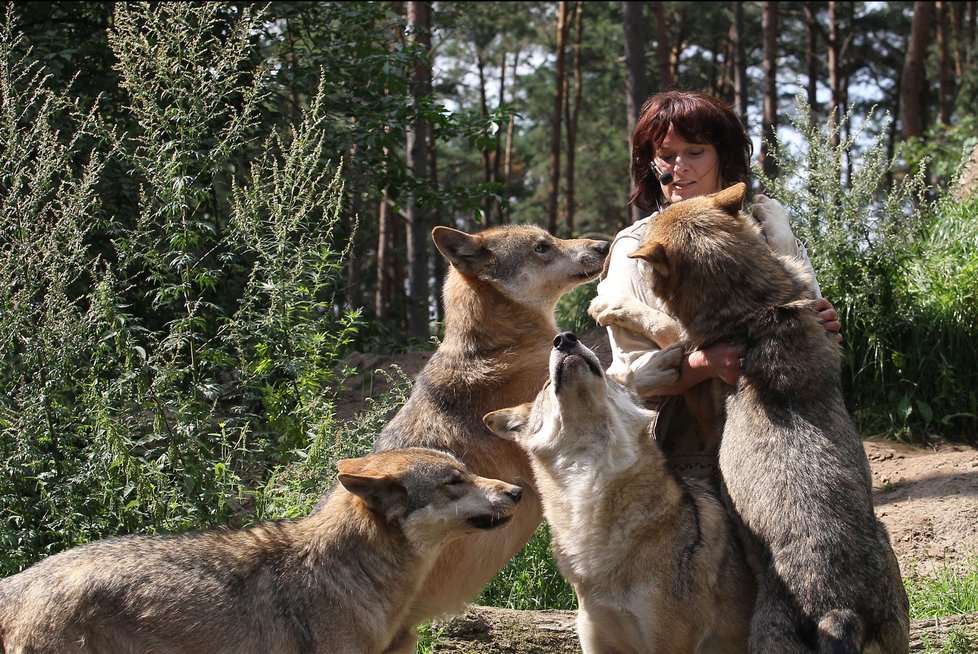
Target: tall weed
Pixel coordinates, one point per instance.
(155, 379)
(877, 253)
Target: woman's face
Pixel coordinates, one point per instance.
(695, 167)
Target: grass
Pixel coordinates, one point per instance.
(952, 590)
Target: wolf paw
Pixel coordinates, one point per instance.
(635, 317)
(663, 370)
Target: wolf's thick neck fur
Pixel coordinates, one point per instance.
(501, 336)
(494, 354)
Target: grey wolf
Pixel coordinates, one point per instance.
(793, 468)
(338, 580)
(655, 562)
(500, 295)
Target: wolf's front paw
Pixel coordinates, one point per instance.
(663, 370)
(621, 312)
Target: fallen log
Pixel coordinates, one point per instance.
(486, 630)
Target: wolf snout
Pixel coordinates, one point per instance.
(565, 341)
(514, 493)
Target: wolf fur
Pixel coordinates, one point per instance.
(500, 295)
(654, 561)
(338, 580)
(794, 470)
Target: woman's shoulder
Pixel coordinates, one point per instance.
(637, 229)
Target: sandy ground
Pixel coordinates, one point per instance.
(926, 496)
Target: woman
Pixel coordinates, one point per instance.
(684, 145)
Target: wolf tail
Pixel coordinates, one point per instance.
(841, 631)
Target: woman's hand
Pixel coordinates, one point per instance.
(829, 318)
(721, 361)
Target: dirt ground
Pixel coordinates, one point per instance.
(926, 496)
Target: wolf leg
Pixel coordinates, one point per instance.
(776, 626)
(636, 317)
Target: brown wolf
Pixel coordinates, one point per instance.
(500, 295)
(338, 580)
(794, 470)
(655, 562)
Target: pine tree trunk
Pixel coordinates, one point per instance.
(486, 159)
(573, 111)
(418, 159)
(811, 58)
(945, 89)
(636, 88)
(740, 64)
(497, 155)
(912, 79)
(557, 123)
(508, 152)
(769, 128)
(667, 79)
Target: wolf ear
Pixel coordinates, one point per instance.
(731, 199)
(462, 250)
(655, 253)
(377, 490)
(507, 423)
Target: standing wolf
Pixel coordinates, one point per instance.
(793, 466)
(336, 581)
(654, 561)
(500, 296)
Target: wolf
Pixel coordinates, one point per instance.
(794, 472)
(338, 580)
(500, 295)
(654, 561)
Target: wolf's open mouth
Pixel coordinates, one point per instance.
(588, 275)
(489, 521)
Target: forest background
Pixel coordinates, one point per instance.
(205, 207)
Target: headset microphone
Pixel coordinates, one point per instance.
(664, 178)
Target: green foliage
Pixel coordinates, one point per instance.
(531, 580)
(571, 314)
(952, 590)
(150, 380)
(900, 272)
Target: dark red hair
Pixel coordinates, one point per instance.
(697, 118)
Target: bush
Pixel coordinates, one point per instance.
(899, 271)
(156, 371)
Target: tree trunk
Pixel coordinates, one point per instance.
(503, 631)
(958, 37)
(835, 48)
(486, 158)
(912, 79)
(945, 65)
(636, 88)
(972, 30)
(419, 162)
(667, 78)
(769, 127)
(389, 294)
(497, 155)
(510, 127)
(740, 64)
(573, 111)
(811, 58)
(557, 126)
